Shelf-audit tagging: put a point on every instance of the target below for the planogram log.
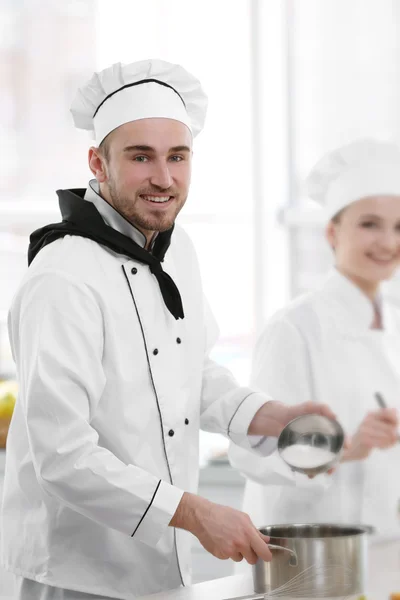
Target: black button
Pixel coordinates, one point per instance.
(178, 341)
(186, 421)
(155, 351)
(171, 433)
(134, 271)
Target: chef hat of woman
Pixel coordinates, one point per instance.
(358, 170)
(148, 88)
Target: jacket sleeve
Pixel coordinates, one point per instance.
(56, 331)
(281, 368)
(226, 407)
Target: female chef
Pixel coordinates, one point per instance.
(340, 344)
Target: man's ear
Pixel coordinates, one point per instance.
(330, 234)
(97, 164)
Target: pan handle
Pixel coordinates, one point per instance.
(368, 529)
(293, 558)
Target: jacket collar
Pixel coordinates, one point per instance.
(82, 219)
(349, 307)
(112, 217)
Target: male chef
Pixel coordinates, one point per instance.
(111, 336)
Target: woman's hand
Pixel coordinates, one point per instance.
(379, 429)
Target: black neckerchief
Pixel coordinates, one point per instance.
(80, 217)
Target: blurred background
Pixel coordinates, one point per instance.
(287, 80)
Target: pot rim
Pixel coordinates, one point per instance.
(344, 530)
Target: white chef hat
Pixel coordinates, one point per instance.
(363, 168)
(140, 90)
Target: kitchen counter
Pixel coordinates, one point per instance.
(384, 578)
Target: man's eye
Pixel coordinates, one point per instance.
(140, 158)
(368, 224)
(176, 158)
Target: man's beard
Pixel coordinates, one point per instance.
(123, 204)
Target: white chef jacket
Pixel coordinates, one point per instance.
(321, 348)
(104, 436)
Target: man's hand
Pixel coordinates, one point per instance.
(379, 429)
(272, 417)
(223, 531)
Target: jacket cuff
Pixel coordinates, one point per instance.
(158, 514)
(263, 446)
(285, 475)
(240, 423)
(277, 472)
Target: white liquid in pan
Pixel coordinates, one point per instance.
(306, 457)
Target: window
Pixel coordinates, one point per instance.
(342, 62)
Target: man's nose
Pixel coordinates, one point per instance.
(161, 176)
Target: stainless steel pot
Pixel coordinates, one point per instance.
(313, 431)
(313, 561)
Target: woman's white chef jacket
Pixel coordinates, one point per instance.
(104, 437)
(321, 348)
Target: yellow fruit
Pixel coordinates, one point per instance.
(8, 396)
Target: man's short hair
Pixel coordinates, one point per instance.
(105, 149)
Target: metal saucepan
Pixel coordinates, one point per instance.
(313, 560)
(312, 432)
